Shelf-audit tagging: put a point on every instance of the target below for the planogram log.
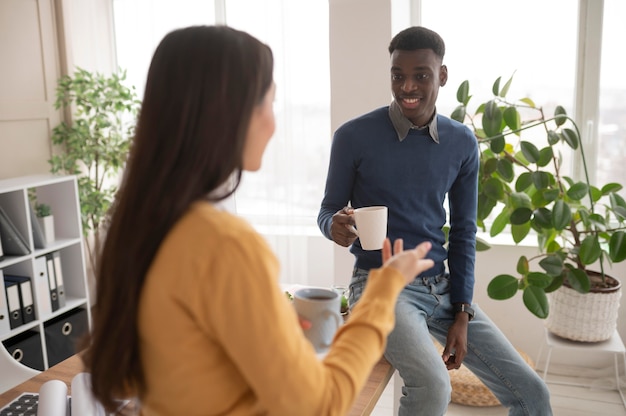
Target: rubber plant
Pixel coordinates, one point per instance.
(93, 142)
(522, 188)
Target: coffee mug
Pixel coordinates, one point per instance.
(371, 226)
(321, 307)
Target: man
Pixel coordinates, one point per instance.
(409, 158)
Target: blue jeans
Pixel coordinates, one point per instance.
(424, 309)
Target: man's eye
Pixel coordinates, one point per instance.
(421, 76)
(395, 77)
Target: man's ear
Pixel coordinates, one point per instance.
(443, 75)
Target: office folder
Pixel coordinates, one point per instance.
(13, 302)
(5, 326)
(26, 296)
(42, 287)
(52, 282)
(38, 238)
(58, 273)
(12, 241)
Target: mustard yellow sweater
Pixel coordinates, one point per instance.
(219, 337)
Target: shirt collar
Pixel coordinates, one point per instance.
(402, 125)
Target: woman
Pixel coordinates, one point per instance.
(190, 316)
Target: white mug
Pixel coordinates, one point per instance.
(322, 308)
(371, 226)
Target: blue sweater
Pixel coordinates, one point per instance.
(369, 165)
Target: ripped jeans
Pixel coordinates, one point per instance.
(424, 309)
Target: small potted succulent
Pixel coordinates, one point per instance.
(46, 221)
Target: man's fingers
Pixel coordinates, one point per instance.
(398, 245)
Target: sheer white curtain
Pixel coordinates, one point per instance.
(282, 199)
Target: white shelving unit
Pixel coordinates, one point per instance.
(61, 193)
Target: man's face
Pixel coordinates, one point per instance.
(415, 80)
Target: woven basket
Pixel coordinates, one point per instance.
(468, 390)
(589, 317)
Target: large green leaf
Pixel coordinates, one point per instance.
(503, 286)
(545, 156)
(539, 279)
(543, 217)
(530, 151)
(523, 181)
(499, 223)
(561, 215)
(617, 246)
(611, 187)
(589, 249)
(520, 199)
(522, 265)
(536, 301)
(462, 93)
(541, 179)
(578, 280)
(505, 170)
(459, 113)
(521, 215)
(492, 119)
(560, 115)
(520, 231)
(578, 191)
(497, 143)
(571, 138)
(553, 265)
(512, 118)
(494, 189)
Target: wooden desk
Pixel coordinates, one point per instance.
(374, 387)
(66, 370)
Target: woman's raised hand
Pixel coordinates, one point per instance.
(410, 262)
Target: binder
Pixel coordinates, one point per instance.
(5, 326)
(13, 302)
(42, 287)
(58, 273)
(12, 241)
(26, 296)
(38, 238)
(52, 283)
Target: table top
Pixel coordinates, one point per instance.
(66, 370)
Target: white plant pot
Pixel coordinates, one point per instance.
(589, 317)
(47, 226)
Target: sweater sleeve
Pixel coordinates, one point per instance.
(263, 338)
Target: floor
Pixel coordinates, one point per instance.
(601, 399)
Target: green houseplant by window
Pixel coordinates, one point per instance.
(93, 143)
(522, 188)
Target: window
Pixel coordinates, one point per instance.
(289, 187)
(611, 148)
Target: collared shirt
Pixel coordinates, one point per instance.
(402, 125)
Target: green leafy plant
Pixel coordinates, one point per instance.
(43, 210)
(522, 183)
(93, 142)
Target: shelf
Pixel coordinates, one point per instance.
(65, 253)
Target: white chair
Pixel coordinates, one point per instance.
(13, 373)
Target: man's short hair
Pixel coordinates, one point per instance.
(418, 37)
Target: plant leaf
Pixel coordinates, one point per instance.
(522, 265)
(553, 265)
(561, 215)
(462, 93)
(589, 250)
(578, 191)
(503, 286)
(560, 115)
(536, 301)
(492, 119)
(617, 246)
(530, 151)
(521, 215)
(578, 280)
(520, 231)
(571, 138)
(523, 182)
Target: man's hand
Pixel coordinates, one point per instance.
(456, 344)
(342, 226)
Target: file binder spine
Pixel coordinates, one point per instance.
(52, 283)
(5, 326)
(26, 296)
(42, 288)
(13, 302)
(58, 273)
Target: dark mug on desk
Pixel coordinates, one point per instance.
(322, 308)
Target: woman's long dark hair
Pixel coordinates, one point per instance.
(202, 86)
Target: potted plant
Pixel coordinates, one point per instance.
(93, 142)
(46, 221)
(577, 224)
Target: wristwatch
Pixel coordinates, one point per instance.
(461, 307)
